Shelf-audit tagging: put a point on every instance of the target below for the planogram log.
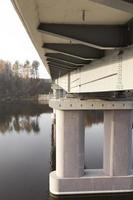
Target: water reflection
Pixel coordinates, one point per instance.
(21, 117)
(20, 123)
(25, 152)
(94, 133)
(93, 117)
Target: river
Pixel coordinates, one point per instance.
(26, 153)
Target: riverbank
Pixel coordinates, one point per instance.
(40, 99)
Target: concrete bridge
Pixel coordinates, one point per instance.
(87, 48)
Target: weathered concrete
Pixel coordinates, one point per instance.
(69, 143)
(58, 93)
(118, 143)
(70, 176)
(88, 184)
(89, 104)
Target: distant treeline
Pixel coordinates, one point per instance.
(13, 86)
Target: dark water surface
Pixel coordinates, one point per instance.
(25, 152)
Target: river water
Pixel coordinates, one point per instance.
(26, 153)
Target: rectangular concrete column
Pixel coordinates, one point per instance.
(118, 142)
(69, 143)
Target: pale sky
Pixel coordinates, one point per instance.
(15, 43)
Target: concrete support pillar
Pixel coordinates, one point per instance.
(69, 143)
(58, 93)
(117, 142)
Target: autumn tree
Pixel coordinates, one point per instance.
(35, 66)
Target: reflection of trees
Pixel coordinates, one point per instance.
(5, 126)
(21, 117)
(35, 125)
(93, 117)
(53, 147)
(20, 123)
(5, 122)
(16, 124)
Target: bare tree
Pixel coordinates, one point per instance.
(16, 67)
(26, 69)
(35, 66)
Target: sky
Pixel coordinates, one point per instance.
(15, 43)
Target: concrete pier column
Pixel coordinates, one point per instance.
(69, 143)
(117, 142)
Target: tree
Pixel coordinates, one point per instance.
(35, 66)
(16, 67)
(26, 69)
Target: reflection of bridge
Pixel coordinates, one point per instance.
(86, 46)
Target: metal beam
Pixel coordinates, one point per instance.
(96, 36)
(56, 71)
(75, 50)
(130, 28)
(58, 68)
(124, 5)
(63, 66)
(56, 75)
(129, 1)
(68, 64)
(105, 75)
(66, 58)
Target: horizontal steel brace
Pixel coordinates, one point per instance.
(76, 50)
(90, 104)
(97, 36)
(67, 58)
(67, 64)
(55, 74)
(62, 65)
(129, 1)
(57, 68)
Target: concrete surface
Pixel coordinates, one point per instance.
(118, 142)
(69, 143)
(89, 104)
(86, 185)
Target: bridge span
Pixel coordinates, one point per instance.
(87, 48)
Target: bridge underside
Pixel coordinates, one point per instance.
(86, 46)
